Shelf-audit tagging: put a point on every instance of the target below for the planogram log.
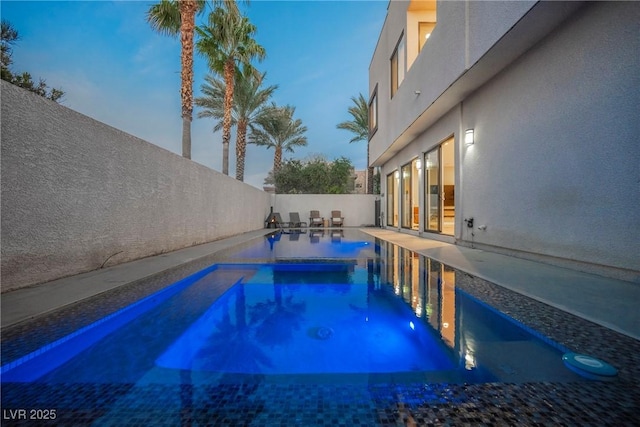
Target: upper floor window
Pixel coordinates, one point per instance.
(373, 112)
(398, 65)
(422, 18)
(424, 32)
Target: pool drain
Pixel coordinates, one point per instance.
(320, 332)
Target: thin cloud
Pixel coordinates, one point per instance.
(114, 68)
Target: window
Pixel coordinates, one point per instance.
(432, 190)
(398, 62)
(392, 215)
(421, 27)
(411, 173)
(440, 188)
(406, 196)
(424, 32)
(373, 112)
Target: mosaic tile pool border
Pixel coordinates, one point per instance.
(569, 404)
(264, 403)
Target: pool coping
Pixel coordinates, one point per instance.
(605, 301)
(33, 301)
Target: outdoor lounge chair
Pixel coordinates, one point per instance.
(279, 222)
(336, 219)
(294, 220)
(315, 220)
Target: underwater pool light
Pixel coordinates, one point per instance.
(412, 326)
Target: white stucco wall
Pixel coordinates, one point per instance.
(556, 164)
(76, 191)
(554, 171)
(357, 209)
(488, 21)
(465, 31)
(442, 130)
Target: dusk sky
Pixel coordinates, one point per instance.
(115, 69)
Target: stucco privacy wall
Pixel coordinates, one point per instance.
(76, 191)
(357, 209)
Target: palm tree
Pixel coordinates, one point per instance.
(227, 41)
(280, 131)
(249, 99)
(359, 126)
(173, 17)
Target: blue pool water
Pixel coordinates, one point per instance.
(300, 308)
(301, 327)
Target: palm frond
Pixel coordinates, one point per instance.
(277, 128)
(228, 35)
(359, 125)
(164, 17)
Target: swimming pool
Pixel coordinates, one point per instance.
(320, 306)
(305, 325)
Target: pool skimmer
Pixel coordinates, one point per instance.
(589, 367)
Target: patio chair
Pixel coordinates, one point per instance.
(294, 220)
(336, 219)
(280, 223)
(315, 220)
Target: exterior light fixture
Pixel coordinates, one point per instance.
(417, 92)
(397, 174)
(468, 137)
(418, 164)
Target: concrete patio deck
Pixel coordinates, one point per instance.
(607, 302)
(32, 301)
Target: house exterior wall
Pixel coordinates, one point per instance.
(455, 42)
(443, 129)
(76, 192)
(553, 173)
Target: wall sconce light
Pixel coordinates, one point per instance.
(468, 137)
(418, 164)
(397, 174)
(417, 92)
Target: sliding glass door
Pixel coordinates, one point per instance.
(432, 190)
(440, 188)
(411, 173)
(406, 196)
(392, 213)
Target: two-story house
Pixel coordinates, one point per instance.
(512, 126)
